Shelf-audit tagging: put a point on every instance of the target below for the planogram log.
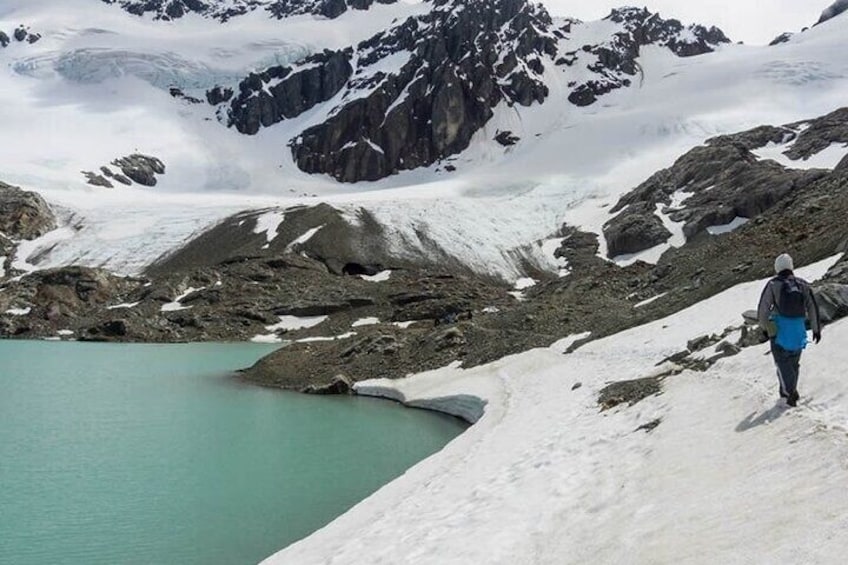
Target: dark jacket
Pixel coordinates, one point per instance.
(789, 333)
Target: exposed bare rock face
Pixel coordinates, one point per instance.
(833, 10)
(24, 215)
(414, 115)
(139, 168)
(714, 184)
(246, 275)
(281, 93)
(616, 63)
(223, 10)
(417, 93)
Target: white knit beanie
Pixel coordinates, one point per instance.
(783, 263)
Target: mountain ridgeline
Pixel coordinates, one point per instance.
(833, 10)
(417, 93)
(224, 10)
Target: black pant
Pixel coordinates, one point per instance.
(788, 363)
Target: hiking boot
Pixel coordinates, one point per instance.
(792, 399)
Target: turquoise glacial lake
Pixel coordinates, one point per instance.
(156, 454)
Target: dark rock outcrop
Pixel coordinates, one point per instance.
(819, 134)
(833, 10)
(635, 229)
(140, 168)
(280, 93)
(180, 95)
(21, 34)
(506, 138)
(219, 95)
(4, 39)
(629, 392)
(24, 215)
(615, 61)
(423, 88)
(723, 180)
(431, 106)
(782, 38)
(97, 180)
(223, 11)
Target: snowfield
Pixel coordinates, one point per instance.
(728, 476)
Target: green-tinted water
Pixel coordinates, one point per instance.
(151, 454)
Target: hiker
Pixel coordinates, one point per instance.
(787, 303)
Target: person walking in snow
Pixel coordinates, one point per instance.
(787, 303)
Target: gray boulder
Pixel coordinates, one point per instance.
(637, 228)
(97, 180)
(4, 39)
(24, 215)
(832, 299)
(224, 11)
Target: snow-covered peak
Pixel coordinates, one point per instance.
(599, 57)
(685, 41)
(223, 10)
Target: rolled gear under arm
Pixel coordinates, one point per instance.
(812, 309)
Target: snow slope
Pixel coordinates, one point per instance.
(728, 476)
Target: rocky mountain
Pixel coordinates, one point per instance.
(224, 10)
(246, 275)
(722, 181)
(417, 93)
(833, 10)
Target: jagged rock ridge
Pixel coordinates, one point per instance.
(224, 10)
(463, 60)
(417, 93)
(615, 60)
(453, 66)
(720, 181)
(833, 10)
